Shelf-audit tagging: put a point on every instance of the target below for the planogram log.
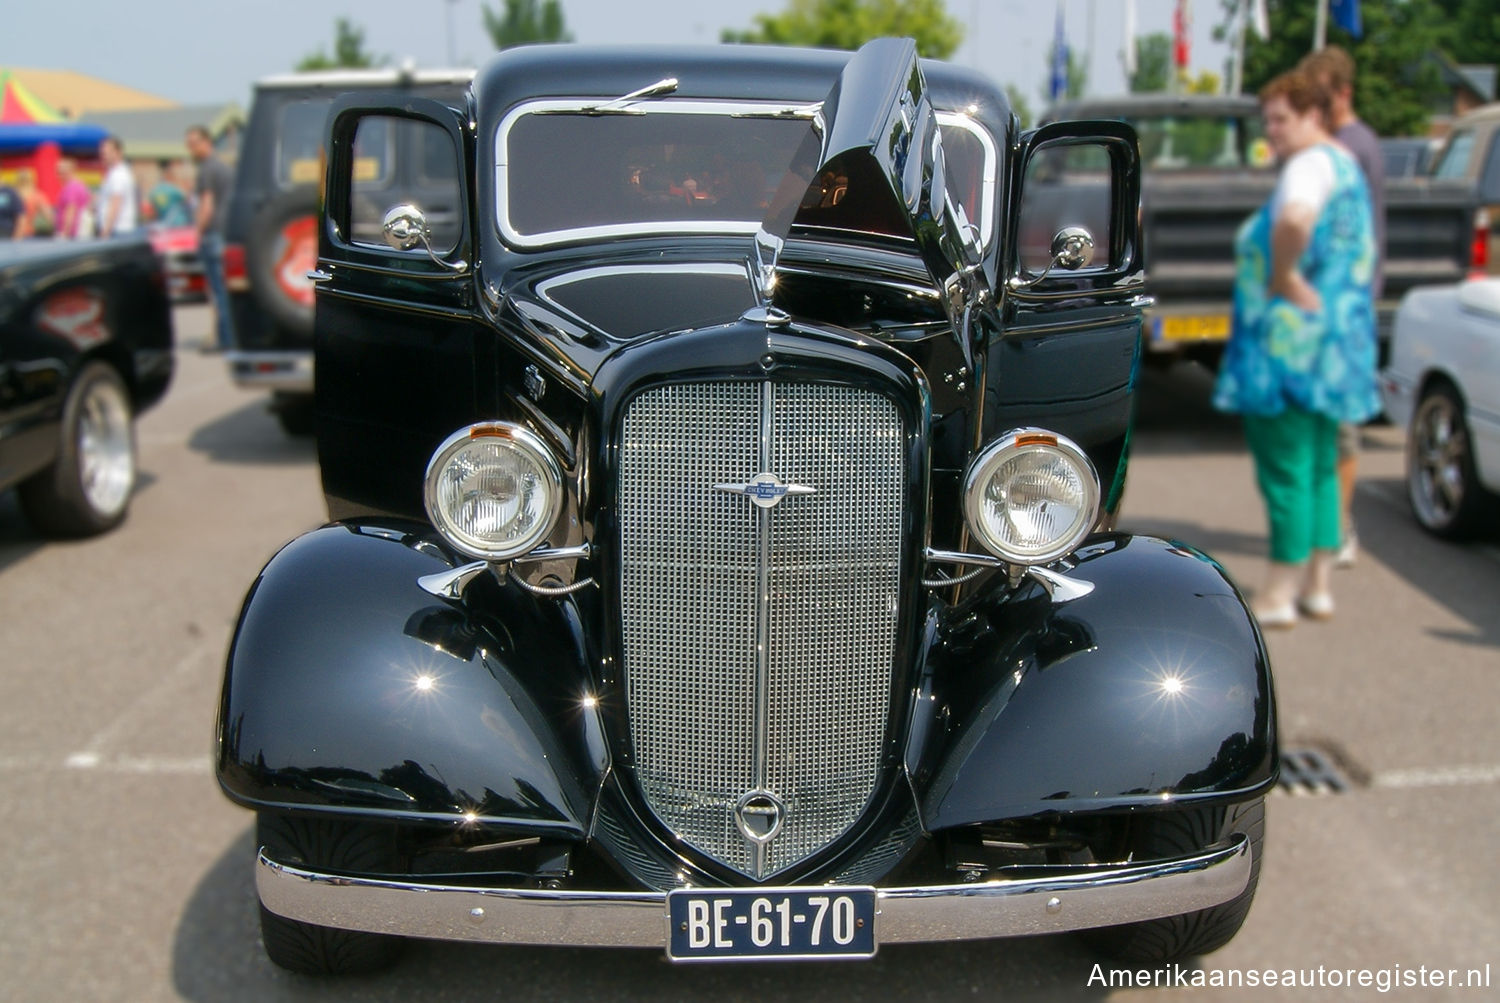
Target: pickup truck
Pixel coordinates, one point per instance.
(1472, 153)
(1206, 166)
(85, 346)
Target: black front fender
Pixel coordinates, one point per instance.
(1153, 689)
(349, 689)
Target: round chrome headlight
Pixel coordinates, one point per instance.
(1031, 497)
(494, 490)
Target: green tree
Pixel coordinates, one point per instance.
(1473, 30)
(524, 22)
(848, 24)
(1396, 81)
(348, 50)
(1153, 63)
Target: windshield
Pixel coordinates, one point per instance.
(694, 167)
(1176, 143)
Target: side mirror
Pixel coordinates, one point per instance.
(1076, 212)
(405, 227)
(1072, 248)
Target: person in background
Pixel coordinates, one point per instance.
(214, 181)
(36, 211)
(117, 195)
(166, 202)
(10, 211)
(1301, 352)
(1333, 69)
(73, 201)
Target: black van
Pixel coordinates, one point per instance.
(271, 239)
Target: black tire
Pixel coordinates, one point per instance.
(87, 488)
(338, 846)
(1441, 481)
(296, 413)
(1171, 834)
(265, 251)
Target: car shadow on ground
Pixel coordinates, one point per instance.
(251, 434)
(1464, 576)
(17, 537)
(217, 957)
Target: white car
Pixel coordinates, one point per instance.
(1443, 384)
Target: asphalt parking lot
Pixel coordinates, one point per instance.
(128, 876)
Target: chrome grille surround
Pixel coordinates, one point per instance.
(759, 642)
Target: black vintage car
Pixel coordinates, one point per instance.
(85, 346)
(721, 557)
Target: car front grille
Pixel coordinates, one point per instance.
(759, 641)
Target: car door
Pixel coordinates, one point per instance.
(1068, 347)
(395, 339)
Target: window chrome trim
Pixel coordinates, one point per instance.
(737, 109)
(985, 211)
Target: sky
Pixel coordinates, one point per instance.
(211, 51)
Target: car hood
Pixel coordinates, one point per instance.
(877, 120)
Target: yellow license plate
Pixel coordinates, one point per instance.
(1195, 327)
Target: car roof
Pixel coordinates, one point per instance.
(1484, 113)
(727, 72)
(344, 79)
(1155, 104)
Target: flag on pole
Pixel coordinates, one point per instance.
(1059, 59)
(1260, 20)
(1345, 14)
(1182, 26)
(1129, 33)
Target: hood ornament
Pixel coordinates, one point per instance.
(766, 490)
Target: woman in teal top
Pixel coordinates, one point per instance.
(1301, 354)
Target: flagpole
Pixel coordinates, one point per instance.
(1237, 78)
(1320, 29)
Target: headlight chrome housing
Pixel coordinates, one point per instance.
(494, 490)
(1031, 497)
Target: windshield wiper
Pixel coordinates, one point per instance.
(619, 106)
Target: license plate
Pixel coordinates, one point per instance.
(1193, 327)
(785, 924)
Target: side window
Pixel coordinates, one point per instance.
(402, 161)
(1454, 162)
(1068, 184)
(299, 143)
(1489, 180)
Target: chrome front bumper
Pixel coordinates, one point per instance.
(291, 371)
(1057, 900)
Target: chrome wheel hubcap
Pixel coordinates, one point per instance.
(106, 455)
(1439, 446)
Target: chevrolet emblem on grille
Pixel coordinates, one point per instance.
(766, 490)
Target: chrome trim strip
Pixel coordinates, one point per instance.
(1063, 899)
(739, 109)
(762, 697)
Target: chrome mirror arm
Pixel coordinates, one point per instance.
(405, 226)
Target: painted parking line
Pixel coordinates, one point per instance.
(92, 762)
(1440, 776)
